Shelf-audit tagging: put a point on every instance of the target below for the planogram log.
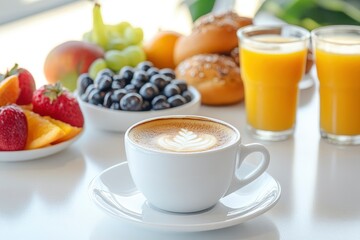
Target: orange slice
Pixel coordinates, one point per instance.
(9, 90)
(70, 131)
(41, 132)
(27, 107)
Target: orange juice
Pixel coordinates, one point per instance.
(271, 80)
(339, 76)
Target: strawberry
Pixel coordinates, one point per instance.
(58, 103)
(26, 84)
(13, 128)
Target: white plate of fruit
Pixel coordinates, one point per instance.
(35, 123)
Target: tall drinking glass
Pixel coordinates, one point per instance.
(337, 60)
(272, 64)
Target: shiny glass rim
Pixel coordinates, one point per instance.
(305, 34)
(334, 29)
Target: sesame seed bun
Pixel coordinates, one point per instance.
(215, 76)
(212, 33)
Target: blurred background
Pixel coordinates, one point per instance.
(29, 29)
(307, 13)
(15, 9)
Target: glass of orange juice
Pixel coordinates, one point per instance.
(273, 62)
(337, 60)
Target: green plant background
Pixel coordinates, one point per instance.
(309, 14)
(315, 13)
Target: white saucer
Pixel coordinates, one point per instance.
(25, 155)
(114, 191)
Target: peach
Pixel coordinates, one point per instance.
(68, 60)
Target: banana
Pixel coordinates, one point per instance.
(116, 36)
(99, 35)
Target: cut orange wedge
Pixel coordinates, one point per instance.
(41, 132)
(9, 90)
(70, 131)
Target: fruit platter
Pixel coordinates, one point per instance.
(35, 122)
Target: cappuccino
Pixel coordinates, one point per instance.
(182, 135)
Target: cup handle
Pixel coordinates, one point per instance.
(243, 152)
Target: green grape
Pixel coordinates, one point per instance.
(135, 55)
(133, 35)
(111, 29)
(111, 35)
(120, 27)
(116, 59)
(87, 37)
(96, 66)
(116, 43)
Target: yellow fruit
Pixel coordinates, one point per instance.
(70, 131)
(160, 49)
(41, 132)
(9, 90)
(27, 107)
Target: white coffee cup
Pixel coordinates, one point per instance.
(188, 163)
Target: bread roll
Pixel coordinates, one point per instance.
(215, 76)
(211, 34)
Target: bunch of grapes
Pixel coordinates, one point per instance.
(122, 43)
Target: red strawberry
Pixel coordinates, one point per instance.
(26, 84)
(13, 128)
(58, 103)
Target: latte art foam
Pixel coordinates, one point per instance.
(187, 141)
(182, 135)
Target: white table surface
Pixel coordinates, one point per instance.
(47, 198)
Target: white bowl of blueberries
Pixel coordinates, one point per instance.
(115, 101)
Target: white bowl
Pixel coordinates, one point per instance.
(119, 121)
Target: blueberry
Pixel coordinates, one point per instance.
(105, 71)
(160, 81)
(118, 94)
(127, 73)
(168, 72)
(130, 88)
(146, 106)
(161, 105)
(139, 79)
(118, 82)
(96, 97)
(107, 100)
(149, 91)
(104, 83)
(117, 85)
(84, 80)
(144, 65)
(100, 78)
(171, 90)
(158, 99)
(85, 95)
(152, 71)
(176, 101)
(181, 84)
(187, 95)
(115, 106)
(131, 102)
(137, 83)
